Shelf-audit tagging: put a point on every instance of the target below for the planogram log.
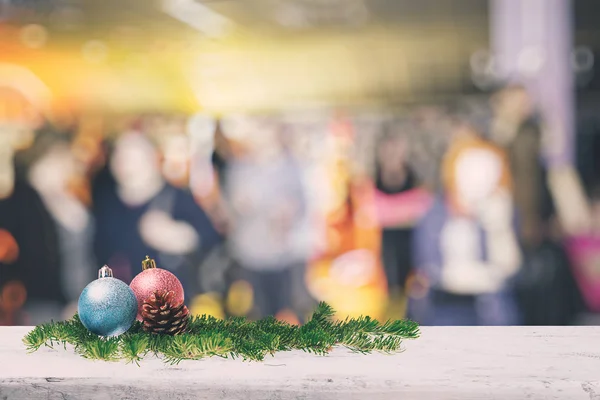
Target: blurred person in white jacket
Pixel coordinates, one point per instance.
(466, 249)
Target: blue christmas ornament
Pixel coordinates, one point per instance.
(107, 306)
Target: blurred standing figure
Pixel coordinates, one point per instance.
(544, 199)
(30, 284)
(122, 194)
(138, 213)
(466, 250)
(584, 252)
(30, 291)
(268, 230)
(57, 177)
(516, 129)
(400, 202)
(346, 271)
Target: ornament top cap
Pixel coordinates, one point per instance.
(148, 263)
(105, 272)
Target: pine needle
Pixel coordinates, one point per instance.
(134, 346)
(234, 337)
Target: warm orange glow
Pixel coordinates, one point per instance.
(288, 316)
(17, 110)
(122, 82)
(13, 296)
(9, 249)
(79, 187)
(348, 274)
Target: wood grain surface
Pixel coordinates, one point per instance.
(445, 363)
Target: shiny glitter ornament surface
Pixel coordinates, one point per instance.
(152, 279)
(107, 306)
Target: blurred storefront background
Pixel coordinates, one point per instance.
(436, 160)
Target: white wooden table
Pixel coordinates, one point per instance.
(445, 363)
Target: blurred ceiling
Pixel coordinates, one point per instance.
(234, 55)
(276, 19)
(290, 16)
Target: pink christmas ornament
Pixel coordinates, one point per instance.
(152, 279)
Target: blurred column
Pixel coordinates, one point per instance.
(532, 44)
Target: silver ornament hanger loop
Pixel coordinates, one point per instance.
(105, 272)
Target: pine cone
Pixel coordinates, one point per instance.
(161, 315)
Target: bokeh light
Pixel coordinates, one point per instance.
(327, 144)
(207, 304)
(34, 36)
(13, 296)
(9, 249)
(288, 316)
(95, 51)
(240, 298)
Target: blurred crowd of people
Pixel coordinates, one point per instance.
(444, 214)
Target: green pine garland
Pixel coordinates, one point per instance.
(229, 338)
